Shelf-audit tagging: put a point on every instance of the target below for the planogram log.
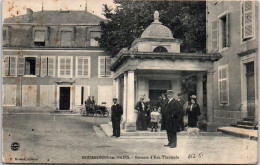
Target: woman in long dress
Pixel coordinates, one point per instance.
(141, 115)
(193, 112)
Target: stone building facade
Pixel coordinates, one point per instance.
(232, 30)
(51, 61)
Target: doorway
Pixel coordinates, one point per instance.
(64, 98)
(250, 85)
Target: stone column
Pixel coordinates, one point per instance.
(124, 100)
(117, 88)
(130, 120)
(200, 90)
(210, 106)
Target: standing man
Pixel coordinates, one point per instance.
(116, 114)
(172, 116)
(181, 101)
(163, 107)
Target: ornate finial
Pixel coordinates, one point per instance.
(156, 17)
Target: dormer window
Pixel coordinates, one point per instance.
(93, 41)
(67, 35)
(39, 38)
(5, 34)
(40, 35)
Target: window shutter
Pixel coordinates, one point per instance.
(108, 62)
(12, 66)
(78, 95)
(21, 62)
(6, 62)
(44, 66)
(80, 66)
(102, 67)
(51, 66)
(248, 19)
(214, 37)
(68, 66)
(62, 66)
(37, 66)
(85, 66)
(227, 30)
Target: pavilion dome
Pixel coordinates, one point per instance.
(157, 30)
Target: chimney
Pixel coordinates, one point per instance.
(29, 13)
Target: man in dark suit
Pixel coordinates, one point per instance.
(116, 113)
(163, 106)
(172, 115)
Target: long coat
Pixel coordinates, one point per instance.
(164, 105)
(193, 114)
(116, 112)
(172, 116)
(141, 116)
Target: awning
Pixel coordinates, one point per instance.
(39, 36)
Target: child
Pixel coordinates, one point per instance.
(155, 118)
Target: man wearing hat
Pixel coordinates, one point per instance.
(116, 113)
(172, 115)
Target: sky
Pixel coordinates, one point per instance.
(12, 8)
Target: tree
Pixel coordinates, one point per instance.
(187, 21)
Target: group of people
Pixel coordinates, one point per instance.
(169, 113)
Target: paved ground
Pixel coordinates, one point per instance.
(47, 138)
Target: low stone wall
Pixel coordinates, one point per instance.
(227, 117)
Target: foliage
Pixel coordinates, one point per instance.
(186, 19)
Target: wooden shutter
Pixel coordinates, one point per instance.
(227, 30)
(44, 66)
(51, 66)
(78, 95)
(223, 86)
(12, 66)
(102, 66)
(21, 62)
(6, 64)
(248, 19)
(108, 62)
(37, 66)
(80, 66)
(214, 37)
(85, 66)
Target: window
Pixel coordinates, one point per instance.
(39, 38)
(219, 32)
(247, 20)
(66, 37)
(93, 41)
(81, 94)
(10, 66)
(160, 49)
(104, 63)
(6, 35)
(223, 31)
(30, 65)
(65, 67)
(48, 66)
(83, 67)
(223, 85)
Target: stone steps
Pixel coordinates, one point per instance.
(107, 128)
(240, 132)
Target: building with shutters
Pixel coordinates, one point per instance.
(232, 30)
(51, 61)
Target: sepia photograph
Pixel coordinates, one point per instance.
(130, 81)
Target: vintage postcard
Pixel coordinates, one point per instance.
(139, 82)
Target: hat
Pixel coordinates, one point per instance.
(179, 94)
(170, 92)
(114, 98)
(193, 97)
